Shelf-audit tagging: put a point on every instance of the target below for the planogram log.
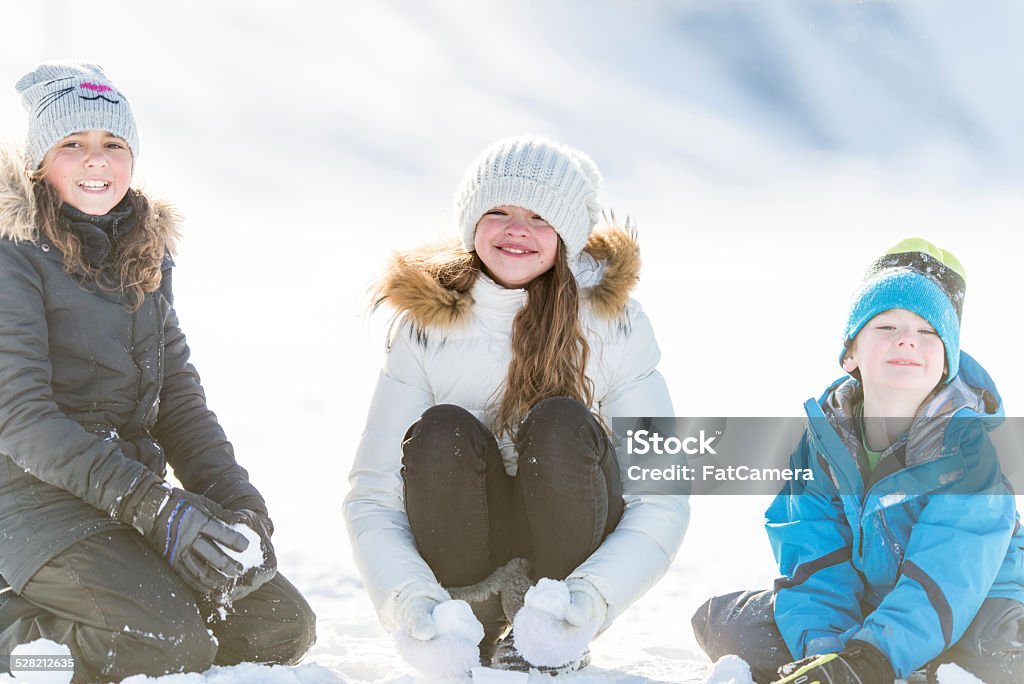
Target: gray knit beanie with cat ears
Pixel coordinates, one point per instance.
(557, 182)
(69, 97)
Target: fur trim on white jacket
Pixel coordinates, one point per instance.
(451, 348)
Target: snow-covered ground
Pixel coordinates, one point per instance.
(767, 152)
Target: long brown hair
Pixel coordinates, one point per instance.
(137, 255)
(549, 350)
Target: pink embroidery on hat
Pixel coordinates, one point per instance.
(96, 87)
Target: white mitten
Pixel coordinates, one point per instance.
(558, 621)
(436, 635)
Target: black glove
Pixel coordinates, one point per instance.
(858, 663)
(254, 578)
(188, 530)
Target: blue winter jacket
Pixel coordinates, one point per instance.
(903, 556)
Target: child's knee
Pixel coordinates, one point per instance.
(293, 639)
(990, 648)
(558, 412)
(276, 625)
(560, 425)
(699, 623)
(445, 431)
(443, 419)
(734, 622)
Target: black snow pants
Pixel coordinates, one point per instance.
(743, 624)
(469, 516)
(122, 611)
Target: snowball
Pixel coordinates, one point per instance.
(441, 657)
(549, 596)
(252, 557)
(730, 669)
(954, 674)
(454, 651)
(49, 649)
(543, 639)
(455, 618)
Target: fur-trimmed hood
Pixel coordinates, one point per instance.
(18, 221)
(606, 272)
(430, 363)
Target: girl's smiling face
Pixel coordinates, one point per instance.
(90, 170)
(515, 244)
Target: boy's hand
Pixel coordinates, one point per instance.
(858, 663)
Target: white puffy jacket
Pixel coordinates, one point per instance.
(455, 349)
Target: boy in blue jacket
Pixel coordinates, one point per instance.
(904, 552)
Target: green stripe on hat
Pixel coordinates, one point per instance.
(921, 256)
(918, 244)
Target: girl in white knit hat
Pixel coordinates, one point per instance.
(98, 551)
(486, 466)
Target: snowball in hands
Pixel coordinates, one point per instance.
(455, 618)
(453, 650)
(252, 557)
(558, 621)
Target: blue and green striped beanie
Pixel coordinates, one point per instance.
(917, 276)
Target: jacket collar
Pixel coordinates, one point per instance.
(972, 393)
(606, 272)
(99, 233)
(18, 220)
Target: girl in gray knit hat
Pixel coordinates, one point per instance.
(485, 466)
(97, 398)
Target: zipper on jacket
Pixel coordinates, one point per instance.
(889, 536)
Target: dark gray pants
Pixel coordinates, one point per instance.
(123, 611)
(743, 624)
(469, 517)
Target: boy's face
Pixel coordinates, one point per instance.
(897, 350)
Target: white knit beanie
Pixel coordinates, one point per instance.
(69, 97)
(557, 182)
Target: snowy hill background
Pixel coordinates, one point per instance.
(767, 152)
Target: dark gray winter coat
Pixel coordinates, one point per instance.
(95, 399)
